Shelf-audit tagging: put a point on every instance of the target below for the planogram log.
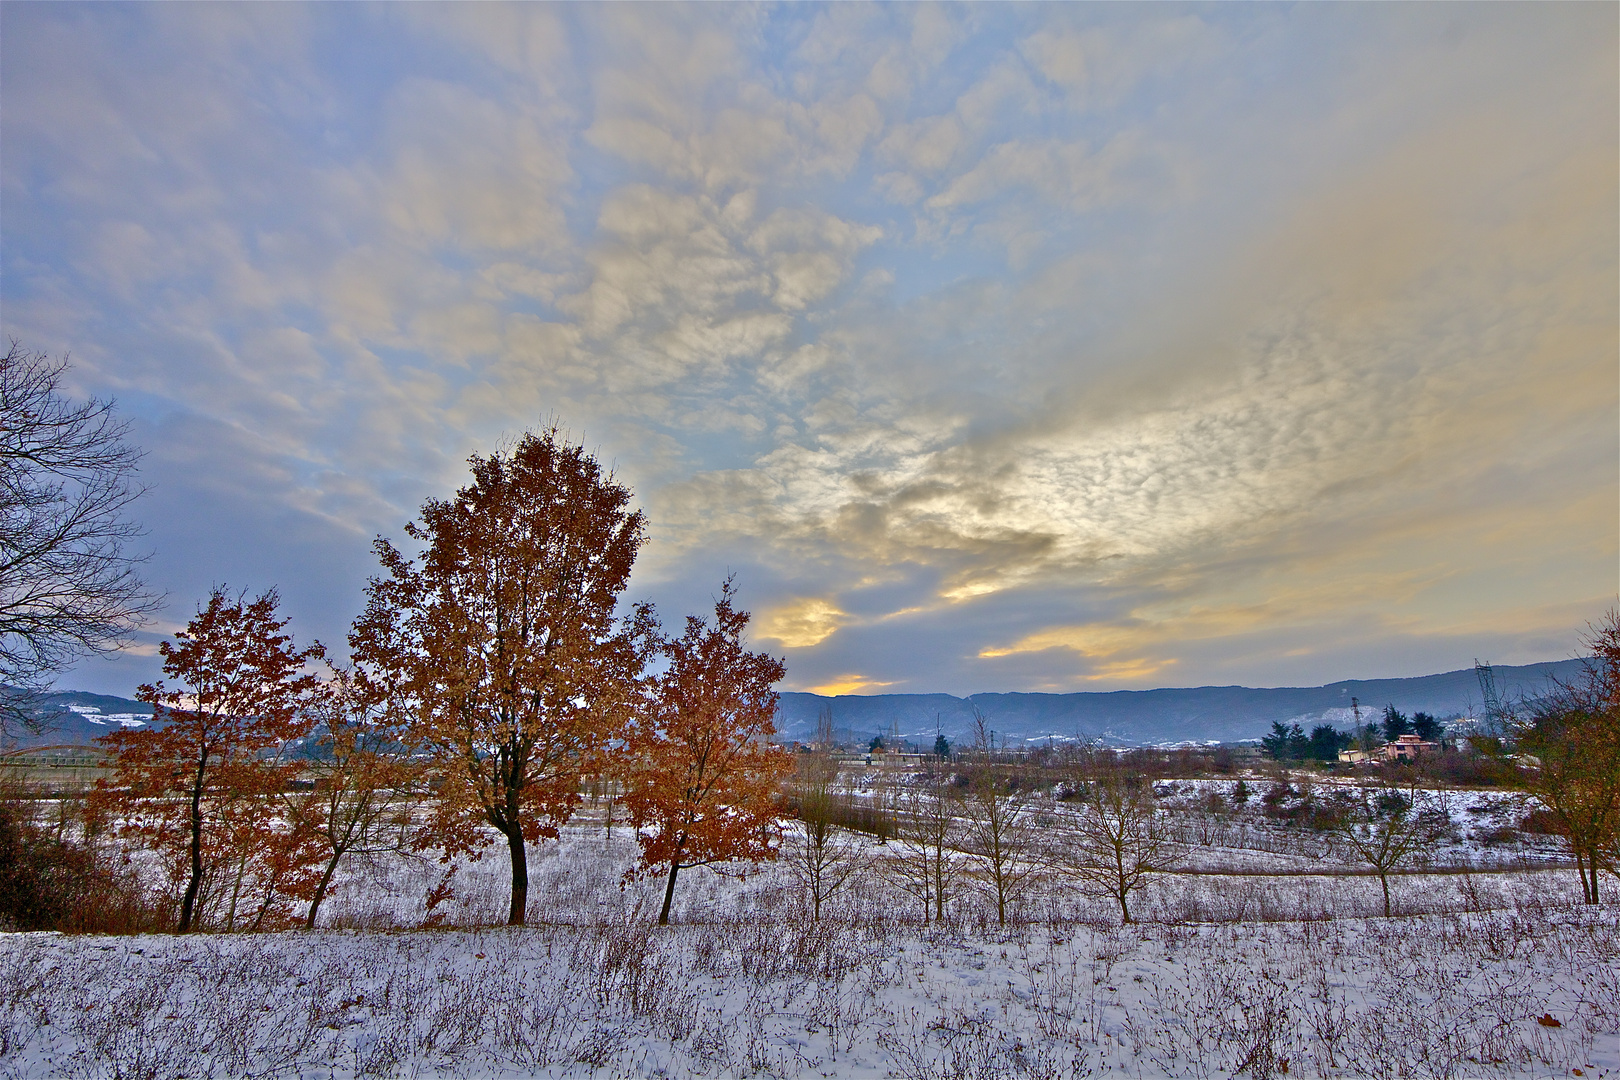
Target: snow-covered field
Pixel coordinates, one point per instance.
(1263, 974)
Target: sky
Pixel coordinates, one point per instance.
(991, 348)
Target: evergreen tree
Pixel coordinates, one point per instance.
(1276, 744)
(1327, 741)
(1299, 744)
(1427, 727)
(1395, 724)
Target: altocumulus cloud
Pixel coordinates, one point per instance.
(993, 348)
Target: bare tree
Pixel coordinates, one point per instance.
(68, 584)
(1118, 839)
(1001, 830)
(1387, 827)
(826, 734)
(925, 862)
(605, 788)
(821, 860)
(1000, 839)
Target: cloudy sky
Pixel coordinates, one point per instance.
(1061, 347)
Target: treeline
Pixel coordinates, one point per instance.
(981, 824)
(490, 683)
(1289, 742)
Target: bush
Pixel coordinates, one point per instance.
(1278, 793)
(51, 880)
(1473, 770)
(862, 815)
(1541, 823)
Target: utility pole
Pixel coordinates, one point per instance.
(1493, 702)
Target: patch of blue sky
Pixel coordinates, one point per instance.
(710, 451)
(365, 53)
(779, 36)
(597, 173)
(397, 359)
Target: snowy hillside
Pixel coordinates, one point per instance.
(1500, 976)
(1138, 717)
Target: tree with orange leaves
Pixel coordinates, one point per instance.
(505, 640)
(705, 777)
(1573, 737)
(366, 782)
(197, 784)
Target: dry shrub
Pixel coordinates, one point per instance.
(51, 878)
(969, 1045)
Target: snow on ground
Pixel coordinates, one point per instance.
(1498, 974)
(1435, 996)
(1483, 826)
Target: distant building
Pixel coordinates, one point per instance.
(1408, 748)
(884, 758)
(1405, 748)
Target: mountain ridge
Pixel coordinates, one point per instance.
(1163, 714)
(78, 717)
(1123, 717)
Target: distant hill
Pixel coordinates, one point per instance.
(73, 717)
(1122, 717)
(1140, 717)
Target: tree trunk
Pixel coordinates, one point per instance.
(669, 889)
(1586, 866)
(236, 891)
(264, 905)
(320, 890)
(520, 878)
(1383, 879)
(669, 892)
(1124, 908)
(189, 904)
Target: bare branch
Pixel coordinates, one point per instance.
(68, 580)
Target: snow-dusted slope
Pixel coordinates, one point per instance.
(1220, 713)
